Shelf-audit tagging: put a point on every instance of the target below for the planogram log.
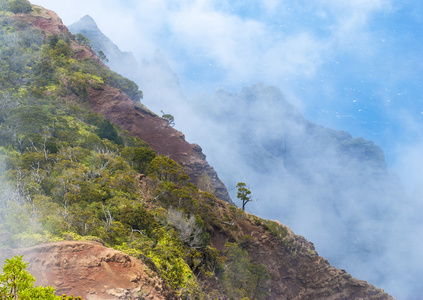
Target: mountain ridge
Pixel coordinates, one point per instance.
(69, 173)
(118, 60)
(159, 135)
(325, 184)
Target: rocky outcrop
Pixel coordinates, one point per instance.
(296, 270)
(134, 117)
(122, 62)
(95, 272)
(43, 19)
(157, 132)
(333, 188)
(92, 271)
(50, 23)
(147, 125)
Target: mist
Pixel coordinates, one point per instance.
(18, 213)
(351, 66)
(332, 188)
(326, 185)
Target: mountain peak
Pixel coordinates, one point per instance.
(87, 22)
(87, 18)
(83, 179)
(121, 62)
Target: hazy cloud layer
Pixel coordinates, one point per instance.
(350, 65)
(242, 41)
(347, 64)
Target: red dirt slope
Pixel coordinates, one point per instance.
(156, 131)
(92, 271)
(122, 111)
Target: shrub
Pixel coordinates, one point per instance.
(106, 130)
(241, 278)
(17, 283)
(19, 6)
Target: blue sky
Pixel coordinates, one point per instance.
(350, 65)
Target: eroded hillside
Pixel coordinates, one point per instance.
(82, 159)
(332, 187)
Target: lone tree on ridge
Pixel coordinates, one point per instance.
(244, 194)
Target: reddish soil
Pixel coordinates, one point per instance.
(157, 132)
(92, 271)
(122, 111)
(296, 270)
(44, 19)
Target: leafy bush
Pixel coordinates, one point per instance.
(83, 39)
(106, 130)
(278, 230)
(19, 6)
(17, 283)
(241, 277)
(125, 85)
(166, 169)
(67, 172)
(139, 157)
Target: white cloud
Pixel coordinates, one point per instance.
(271, 6)
(241, 48)
(296, 56)
(293, 44)
(232, 43)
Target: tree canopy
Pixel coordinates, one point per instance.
(16, 283)
(67, 171)
(243, 194)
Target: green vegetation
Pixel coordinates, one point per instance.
(169, 118)
(102, 56)
(65, 171)
(242, 279)
(19, 6)
(83, 40)
(106, 130)
(17, 283)
(243, 194)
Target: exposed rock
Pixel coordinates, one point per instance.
(122, 62)
(296, 270)
(157, 132)
(50, 23)
(44, 19)
(92, 271)
(95, 272)
(135, 118)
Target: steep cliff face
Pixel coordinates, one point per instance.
(298, 272)
(92, 271)
(333, 188)
(326, 184)
(84, 188)
(122, 62)
(141, 122)
(43, 19)
(162, 137)
(157, 132)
